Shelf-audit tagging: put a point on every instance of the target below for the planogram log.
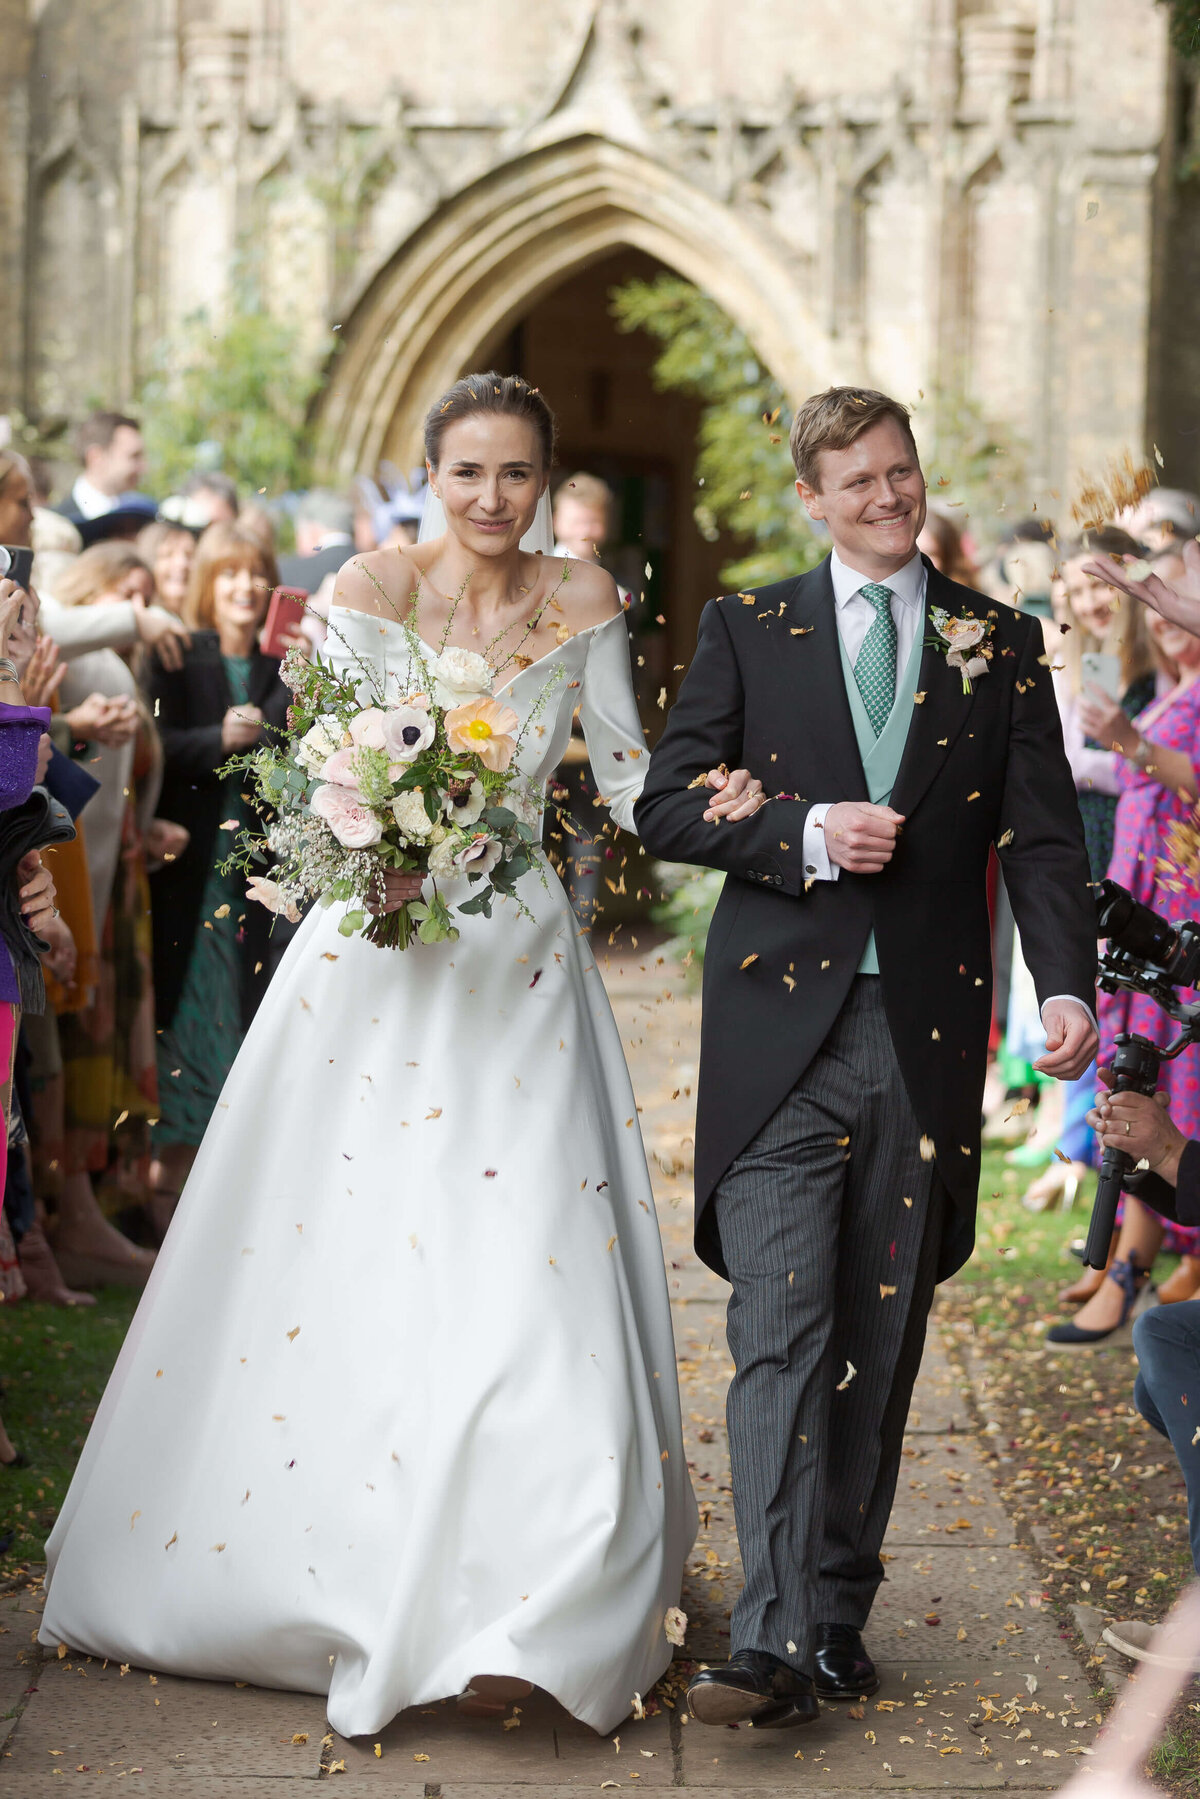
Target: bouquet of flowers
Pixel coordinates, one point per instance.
(426, 782)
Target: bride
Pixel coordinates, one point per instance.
(397, 1417)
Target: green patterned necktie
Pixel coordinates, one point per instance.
(875, 669)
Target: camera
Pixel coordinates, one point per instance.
(1148, 955)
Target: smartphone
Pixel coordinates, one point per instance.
(284, 618)
(1099, 669)
(17, 563)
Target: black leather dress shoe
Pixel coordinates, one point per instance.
(753, 1685)
(844, 1670)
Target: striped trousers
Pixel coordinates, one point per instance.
(829, 1225)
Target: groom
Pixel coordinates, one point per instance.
(847, 997)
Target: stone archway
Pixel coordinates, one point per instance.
(512, 236)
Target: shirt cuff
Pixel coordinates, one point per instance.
(818, 866)
(1075, 1001)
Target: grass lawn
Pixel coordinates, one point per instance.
(53, 1367)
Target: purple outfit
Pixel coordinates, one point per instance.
(21, 730)
(1145, 812)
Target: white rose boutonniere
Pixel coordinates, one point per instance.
(965, 643)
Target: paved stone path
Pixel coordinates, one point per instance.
(980, 1691)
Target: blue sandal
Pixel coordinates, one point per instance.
(1130, 1278)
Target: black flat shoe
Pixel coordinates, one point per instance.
(1131, 1278)
(753, 1685)
(18, 1461)
(844, 1670)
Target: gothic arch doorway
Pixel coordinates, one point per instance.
(488, 256)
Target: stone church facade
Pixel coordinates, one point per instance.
(976, 197)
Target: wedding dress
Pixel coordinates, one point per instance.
(399, 1405)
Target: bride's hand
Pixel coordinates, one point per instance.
(741, 794)
(394, 890)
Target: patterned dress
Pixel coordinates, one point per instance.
(1142, 861)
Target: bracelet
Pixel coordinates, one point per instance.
(1140, 758)
(9, 668)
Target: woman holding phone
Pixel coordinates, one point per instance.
(1099, 653)
(211, 948)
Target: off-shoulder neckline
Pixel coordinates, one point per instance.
(394, 624)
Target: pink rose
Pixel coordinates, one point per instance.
(366, 731)
(348, 816)
(340, 769)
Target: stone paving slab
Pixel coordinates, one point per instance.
(85, 1712)
(546, 1744)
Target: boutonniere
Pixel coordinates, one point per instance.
(965, 643)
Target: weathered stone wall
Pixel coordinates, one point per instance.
(942, 196)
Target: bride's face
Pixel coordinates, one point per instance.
(489, 478)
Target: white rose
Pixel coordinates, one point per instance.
(408, 810)
(459, 676)
(318, 745)
(441, 856)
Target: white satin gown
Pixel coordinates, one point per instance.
(399, 1405)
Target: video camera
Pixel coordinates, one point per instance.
(1147, 955)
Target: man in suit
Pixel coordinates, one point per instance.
(104, 501)
(846, 1010)
(324, 540)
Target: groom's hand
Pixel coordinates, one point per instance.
(860, 837)
(1071, 1040)
(740, 794)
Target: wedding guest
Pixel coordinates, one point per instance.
(258, 520)
(324, 540)
(1158, 754)
(21, 730)
(16, 498)
(170, 550)
(944, 542)
(122, 623)
(108, 1047)
(1097, 620)
(1165, 519)
(211, 947)
(104, 502)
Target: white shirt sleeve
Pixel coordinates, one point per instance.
(818, 864)
(1075, 1002)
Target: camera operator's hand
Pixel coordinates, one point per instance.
(1139, 1125)
(1071, 1039)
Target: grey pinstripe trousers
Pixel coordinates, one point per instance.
(829, 1225)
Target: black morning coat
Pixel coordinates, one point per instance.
(189, 704)
(765, 691)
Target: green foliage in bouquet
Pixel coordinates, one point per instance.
(744, 473)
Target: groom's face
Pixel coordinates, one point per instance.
(872, 497)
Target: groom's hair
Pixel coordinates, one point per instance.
(836, 419)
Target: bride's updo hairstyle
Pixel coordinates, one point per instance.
(490, 392)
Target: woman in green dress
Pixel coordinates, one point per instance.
(211, 947)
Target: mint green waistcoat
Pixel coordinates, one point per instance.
(881, 755)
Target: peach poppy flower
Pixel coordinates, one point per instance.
(483, 728)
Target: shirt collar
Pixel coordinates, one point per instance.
(90, 501)
(908, 583)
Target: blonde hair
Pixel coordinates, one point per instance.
(223, 546)
(588, 490)
(1126, 637)
(834, 420)
(96, 571)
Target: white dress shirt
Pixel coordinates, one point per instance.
(90, 501)
(855, 616)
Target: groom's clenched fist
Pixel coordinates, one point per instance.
(860, 837)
